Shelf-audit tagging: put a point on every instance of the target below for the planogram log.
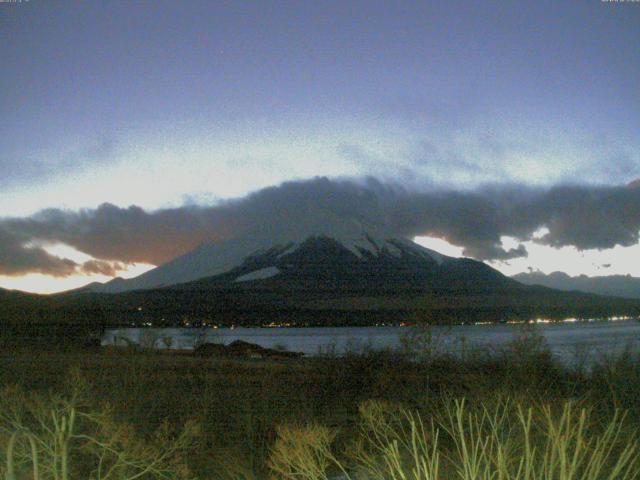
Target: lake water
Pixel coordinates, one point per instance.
(569, 342)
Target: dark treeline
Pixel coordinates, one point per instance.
(81, 315)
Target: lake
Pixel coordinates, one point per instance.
(570, 342)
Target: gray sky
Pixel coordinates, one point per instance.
(179, 105)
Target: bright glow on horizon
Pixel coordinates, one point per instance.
(614, 261)
(548, 259)
(38, 283)
(440, 245)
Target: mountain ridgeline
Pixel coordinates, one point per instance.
(614, 285)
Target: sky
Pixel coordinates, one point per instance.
(504, 131)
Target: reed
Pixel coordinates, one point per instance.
(52, 437)
(502, 441)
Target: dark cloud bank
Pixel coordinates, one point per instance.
(583, 216)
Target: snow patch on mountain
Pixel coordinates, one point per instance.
(260, 274)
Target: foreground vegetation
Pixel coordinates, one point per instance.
(67, 413)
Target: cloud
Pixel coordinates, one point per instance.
(17, 257)
(589, 217)
(124, 234)
(582, 216)
(101, 267)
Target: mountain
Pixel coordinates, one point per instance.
(301, 273)
(613, 285)
(355, 262)
(347, 276)
(8, 295)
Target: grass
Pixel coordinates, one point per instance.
(366, 415)
(505, 440)
(67, 437)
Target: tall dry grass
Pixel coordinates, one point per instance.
(54, 437)
(506, 440)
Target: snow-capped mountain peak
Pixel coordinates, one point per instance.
(265, 250)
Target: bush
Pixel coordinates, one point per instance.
(617, 380)
(148, 338)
